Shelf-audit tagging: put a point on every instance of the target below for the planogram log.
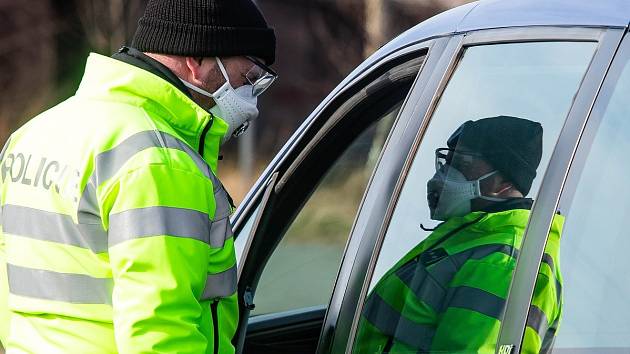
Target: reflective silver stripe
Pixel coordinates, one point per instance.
(220, 231)
(111, 161)
(53, 227)
(391, 323)
(549, 261)
(546, 258)
(220, 285)
(550, 338)
(429, 283)
(156, 221)
(477, 300)
(66, 287)
(483, 251)
(422, 284)
(223, 208)
(445, 271)
(88, 211)
(537, 320)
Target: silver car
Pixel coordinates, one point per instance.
(345, 198)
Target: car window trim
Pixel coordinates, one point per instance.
(340, 311)
(546, 201)
(533, 34)
(622, 58)
(356, 100)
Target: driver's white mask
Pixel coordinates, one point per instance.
(457, 193)
(237, 107)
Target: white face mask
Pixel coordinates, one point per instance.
(237, 107)
(457, 193)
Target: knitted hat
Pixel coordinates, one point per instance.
(511, 145)
(205, 28)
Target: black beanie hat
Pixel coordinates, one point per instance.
(511, 145)
(205, 28)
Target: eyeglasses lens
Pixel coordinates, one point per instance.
(260, 79)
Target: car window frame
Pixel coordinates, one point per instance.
(338, 320)
(593, 121)
(458, 43)
(260, 197)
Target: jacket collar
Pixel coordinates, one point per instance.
(137, 58)
(106, 78)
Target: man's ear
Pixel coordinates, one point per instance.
(194, 67)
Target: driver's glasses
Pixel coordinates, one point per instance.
(456, 158)
(260, 76)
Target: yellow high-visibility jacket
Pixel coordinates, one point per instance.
(115, 231)
(448, 294)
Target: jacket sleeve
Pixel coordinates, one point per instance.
(158, 229)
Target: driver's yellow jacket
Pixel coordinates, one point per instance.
(448, 294)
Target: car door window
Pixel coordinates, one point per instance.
(446, 261)
(306, 261)
(315, 202)
(595, 241)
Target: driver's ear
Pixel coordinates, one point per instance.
(504, 189)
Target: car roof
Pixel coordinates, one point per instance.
(487, 14)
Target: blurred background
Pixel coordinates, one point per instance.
(44, 45)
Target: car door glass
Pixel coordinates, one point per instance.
(241, 236)
(303, 268)
(595, 242)
(443, 271)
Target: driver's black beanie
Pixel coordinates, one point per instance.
(205, 28)
(511, 145)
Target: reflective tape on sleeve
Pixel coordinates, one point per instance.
(391, 323)
(550, 338)
(158, 221)
(109, 162)
(223, 207)
(48, 226)
(220, 285)
(537, 320)
(66, 287)
(428, 283)
(220, 231)
(483, 251)
(477, 300)
(424, 286)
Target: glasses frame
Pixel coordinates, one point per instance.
(444, 153)
(259, 86)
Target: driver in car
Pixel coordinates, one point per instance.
(448, 294)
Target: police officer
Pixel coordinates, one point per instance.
(447, 295)
(115, 229)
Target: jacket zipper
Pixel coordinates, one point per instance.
(204, 132)
(214, 308)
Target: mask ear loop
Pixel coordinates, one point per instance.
(484, 197)
(222, 68)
